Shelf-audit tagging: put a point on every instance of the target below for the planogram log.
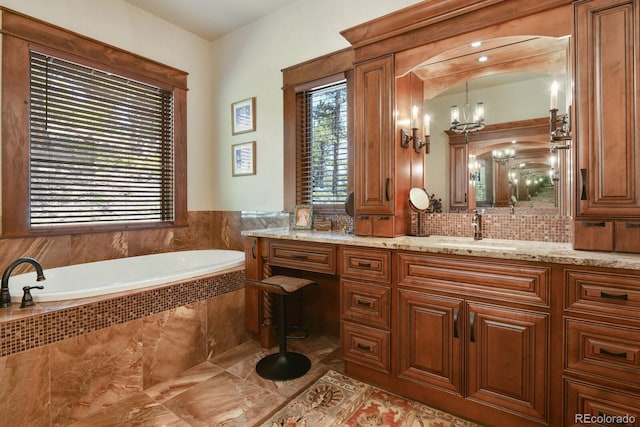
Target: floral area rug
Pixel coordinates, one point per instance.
(338, 400)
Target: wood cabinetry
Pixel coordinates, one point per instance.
(602, 345)
(384, 171)
(607, 146)
(459, 176)
(453, 341)
(365, 297)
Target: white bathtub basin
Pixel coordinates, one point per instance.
(122, 274)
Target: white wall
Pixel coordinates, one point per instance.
(244, 64)
(248, 63)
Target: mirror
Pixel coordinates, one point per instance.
(507, 166)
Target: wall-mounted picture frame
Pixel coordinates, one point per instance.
(303, 217)
(243, 159)
(243, 116)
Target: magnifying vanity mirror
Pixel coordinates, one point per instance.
(419, 202)
(507, 166)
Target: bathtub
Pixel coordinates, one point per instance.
(124, 274)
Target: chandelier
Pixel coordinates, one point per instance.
(465, 121)
(503, 156)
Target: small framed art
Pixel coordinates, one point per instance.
(243, 116)
(303, 217)
(243, 159)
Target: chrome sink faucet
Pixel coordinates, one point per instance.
(5, 297)
(476, 221)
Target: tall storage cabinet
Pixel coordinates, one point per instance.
(607, 148)
(385, 172)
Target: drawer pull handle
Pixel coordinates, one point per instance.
(363, 216)
(364, 303)
(361, 346)
(612, 354)
(382, 218)
(253, 248)
(386, 189)
(455, 322)
(472, 323)
(622, 297)
(593, 224)
(300, 257)
(632, 224)
(364, 264)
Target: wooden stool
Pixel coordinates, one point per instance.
(283, 365)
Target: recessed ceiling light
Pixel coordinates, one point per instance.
(476, 44)
(483, 58)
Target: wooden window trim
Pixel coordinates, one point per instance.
(20, 32)
(298, 78)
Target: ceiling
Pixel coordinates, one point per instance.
(210, 19)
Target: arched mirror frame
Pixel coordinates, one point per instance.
(553, 23)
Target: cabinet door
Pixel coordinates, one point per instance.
(373, 136)
(508, 354)
(430, 341)
(607, 103)
(459, 182)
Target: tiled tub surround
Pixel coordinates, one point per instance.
(63, 362)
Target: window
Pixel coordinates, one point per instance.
(93, 137)
(101, 146)
(317, 132)
(322, 168)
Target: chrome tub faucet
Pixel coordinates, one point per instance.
(5, 297)
(476, 221)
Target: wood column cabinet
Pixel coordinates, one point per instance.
(602, 346)
(474, 336)
(384, 172)
(607, 81)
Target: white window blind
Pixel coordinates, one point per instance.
(323, 146)
(101, 146)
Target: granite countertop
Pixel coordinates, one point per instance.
(524, 250)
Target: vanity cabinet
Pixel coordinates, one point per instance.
(478, 332)
(607, 78)
(602, 345)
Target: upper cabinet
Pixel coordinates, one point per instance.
(607, 149)
(384, 168)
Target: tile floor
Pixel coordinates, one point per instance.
(224, 391)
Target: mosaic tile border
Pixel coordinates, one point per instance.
(52, 326)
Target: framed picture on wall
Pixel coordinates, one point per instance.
(243, 116)
(243, 159)
(303, 217)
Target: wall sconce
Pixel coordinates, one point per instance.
(559, 128)
(418, 143)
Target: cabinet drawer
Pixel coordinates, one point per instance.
(366, 264)
(603, 350)
(583, 400)
(603, 293)
(593, 235)
(499, 281)
(303, 256)
(627, 236)
(374, 225)
(366, 303)
(366, 346)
